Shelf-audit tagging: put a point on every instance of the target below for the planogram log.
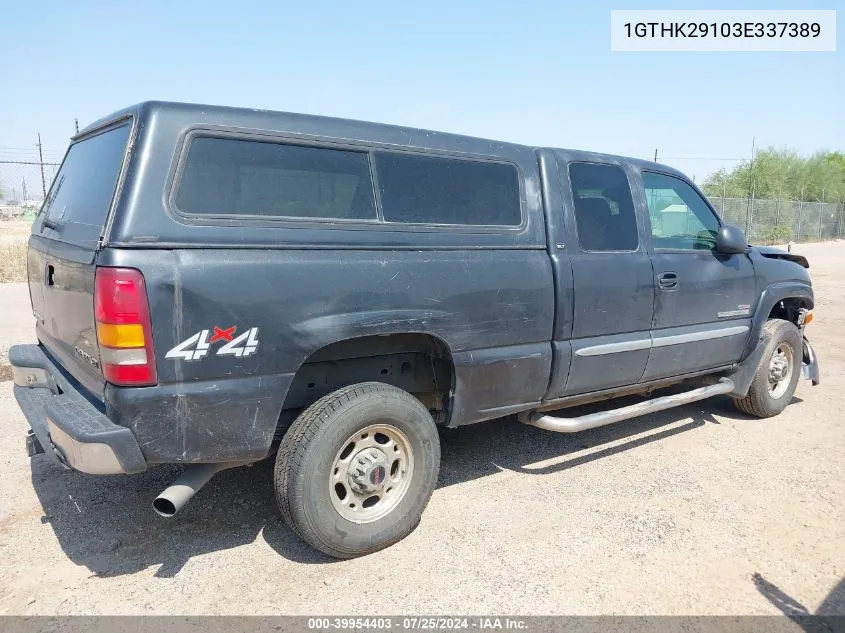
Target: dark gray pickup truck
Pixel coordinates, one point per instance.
(212, 285)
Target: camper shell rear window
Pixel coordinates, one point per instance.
(77, 206)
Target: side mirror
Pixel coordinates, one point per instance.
(731, 239)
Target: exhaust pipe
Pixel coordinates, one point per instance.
(174, 497)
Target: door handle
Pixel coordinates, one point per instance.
(668, 281)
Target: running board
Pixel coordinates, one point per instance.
(593, 420)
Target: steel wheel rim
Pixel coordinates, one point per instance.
(780, 371)
(359, 490)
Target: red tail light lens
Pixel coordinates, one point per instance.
(124, 332)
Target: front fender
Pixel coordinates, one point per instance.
(769, 298)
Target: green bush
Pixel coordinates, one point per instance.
(777, 234)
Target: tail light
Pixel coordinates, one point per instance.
(124, 334)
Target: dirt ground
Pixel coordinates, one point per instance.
(698, 510)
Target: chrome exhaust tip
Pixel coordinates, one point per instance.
(174, 497)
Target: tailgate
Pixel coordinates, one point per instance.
(63, 248)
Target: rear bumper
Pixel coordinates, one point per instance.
(72, 430)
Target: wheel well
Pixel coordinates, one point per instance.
(420, 364)
(788, 309)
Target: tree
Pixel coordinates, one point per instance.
(783, 174)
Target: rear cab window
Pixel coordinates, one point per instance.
(77, 206)
(605, 218)
(236, 177)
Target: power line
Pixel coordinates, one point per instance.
(18, 149)
(699, 158)
(28, 162)
(31, 156)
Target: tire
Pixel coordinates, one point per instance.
(313, 466)
(763, 400)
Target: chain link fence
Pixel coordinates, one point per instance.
(23, 184)
(781, 221)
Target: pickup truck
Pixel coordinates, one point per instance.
(214, 286)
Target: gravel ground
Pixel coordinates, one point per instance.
(698, 510)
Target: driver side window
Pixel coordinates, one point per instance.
(680, 218)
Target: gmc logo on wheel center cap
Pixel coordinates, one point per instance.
(377, 475)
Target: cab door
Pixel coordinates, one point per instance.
(702, 299)
(612, 299)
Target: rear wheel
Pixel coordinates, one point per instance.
(777, 375)
(356, 469)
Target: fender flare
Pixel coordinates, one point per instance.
(770, 296)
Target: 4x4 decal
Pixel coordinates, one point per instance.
(198, 346)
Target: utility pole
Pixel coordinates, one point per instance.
(76, 125)
(655, 154)
(41, 161)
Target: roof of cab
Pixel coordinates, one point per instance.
(363, 130)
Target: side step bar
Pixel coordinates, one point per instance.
(593, 420)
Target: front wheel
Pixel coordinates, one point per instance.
(778, 373)
(356, 469)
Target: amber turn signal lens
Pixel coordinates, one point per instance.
(113, 335)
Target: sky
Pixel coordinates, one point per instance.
(538, 73)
